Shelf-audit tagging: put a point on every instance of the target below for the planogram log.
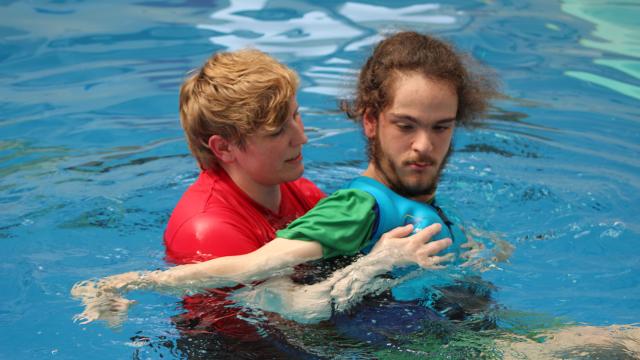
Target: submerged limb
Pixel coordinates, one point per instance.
(615, 341)
(104, 298)
(99, 304)
(348, 286)
(311, 303)
(478, 256)
(352, 283)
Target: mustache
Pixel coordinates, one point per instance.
(420, 160)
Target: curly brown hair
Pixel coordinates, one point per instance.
(234, 95)
(409, 51)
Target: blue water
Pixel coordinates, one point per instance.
(92, 157)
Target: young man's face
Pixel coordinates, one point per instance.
(411, 138)
(273, 158)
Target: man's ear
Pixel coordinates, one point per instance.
(222, 148)
(369, 123)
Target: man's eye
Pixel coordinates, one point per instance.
(404, 127)
(441, 128)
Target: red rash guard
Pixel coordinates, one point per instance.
(215, 218)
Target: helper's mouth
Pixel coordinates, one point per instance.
(295, 158)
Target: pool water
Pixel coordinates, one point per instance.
(93, 158)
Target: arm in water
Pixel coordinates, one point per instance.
(103, 299)
(347, 286)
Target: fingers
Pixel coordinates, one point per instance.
(104, 307)
(387, 239)
(426, 255)
(472, 263)
(120, 305)
(471, 254)
(433, 247)
(472, 245)
(84, 318)
(433, 262)
(399, 232)
(427, 233)
(83, 288)
(467, 245)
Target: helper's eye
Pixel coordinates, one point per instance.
(278, 131)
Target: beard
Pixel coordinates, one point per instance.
(389, 171)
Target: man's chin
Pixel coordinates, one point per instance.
(419, 192)
(417, 189)
(419, 182)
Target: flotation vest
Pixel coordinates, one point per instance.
(394, 210)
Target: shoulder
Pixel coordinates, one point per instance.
(342, 223)
(341, 207)
(354, 197)
(198, 197)
(211, 234)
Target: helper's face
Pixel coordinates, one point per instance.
(411, 138)
(275, 157)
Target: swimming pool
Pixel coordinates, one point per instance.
(93, 158)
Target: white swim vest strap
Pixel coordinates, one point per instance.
(395, 210)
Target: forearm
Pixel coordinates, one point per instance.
(177, 280)
(351, 283)
(219, 272)
(275, 258)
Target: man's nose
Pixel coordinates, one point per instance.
(423, 143)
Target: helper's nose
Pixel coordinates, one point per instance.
(299, 137)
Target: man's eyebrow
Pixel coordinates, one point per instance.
(412, 119)
(403, 117)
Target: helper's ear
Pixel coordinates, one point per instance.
(222, 148)
(369, 124)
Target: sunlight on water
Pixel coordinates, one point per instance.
(615, 32)
(313, 32)
(296, 33)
